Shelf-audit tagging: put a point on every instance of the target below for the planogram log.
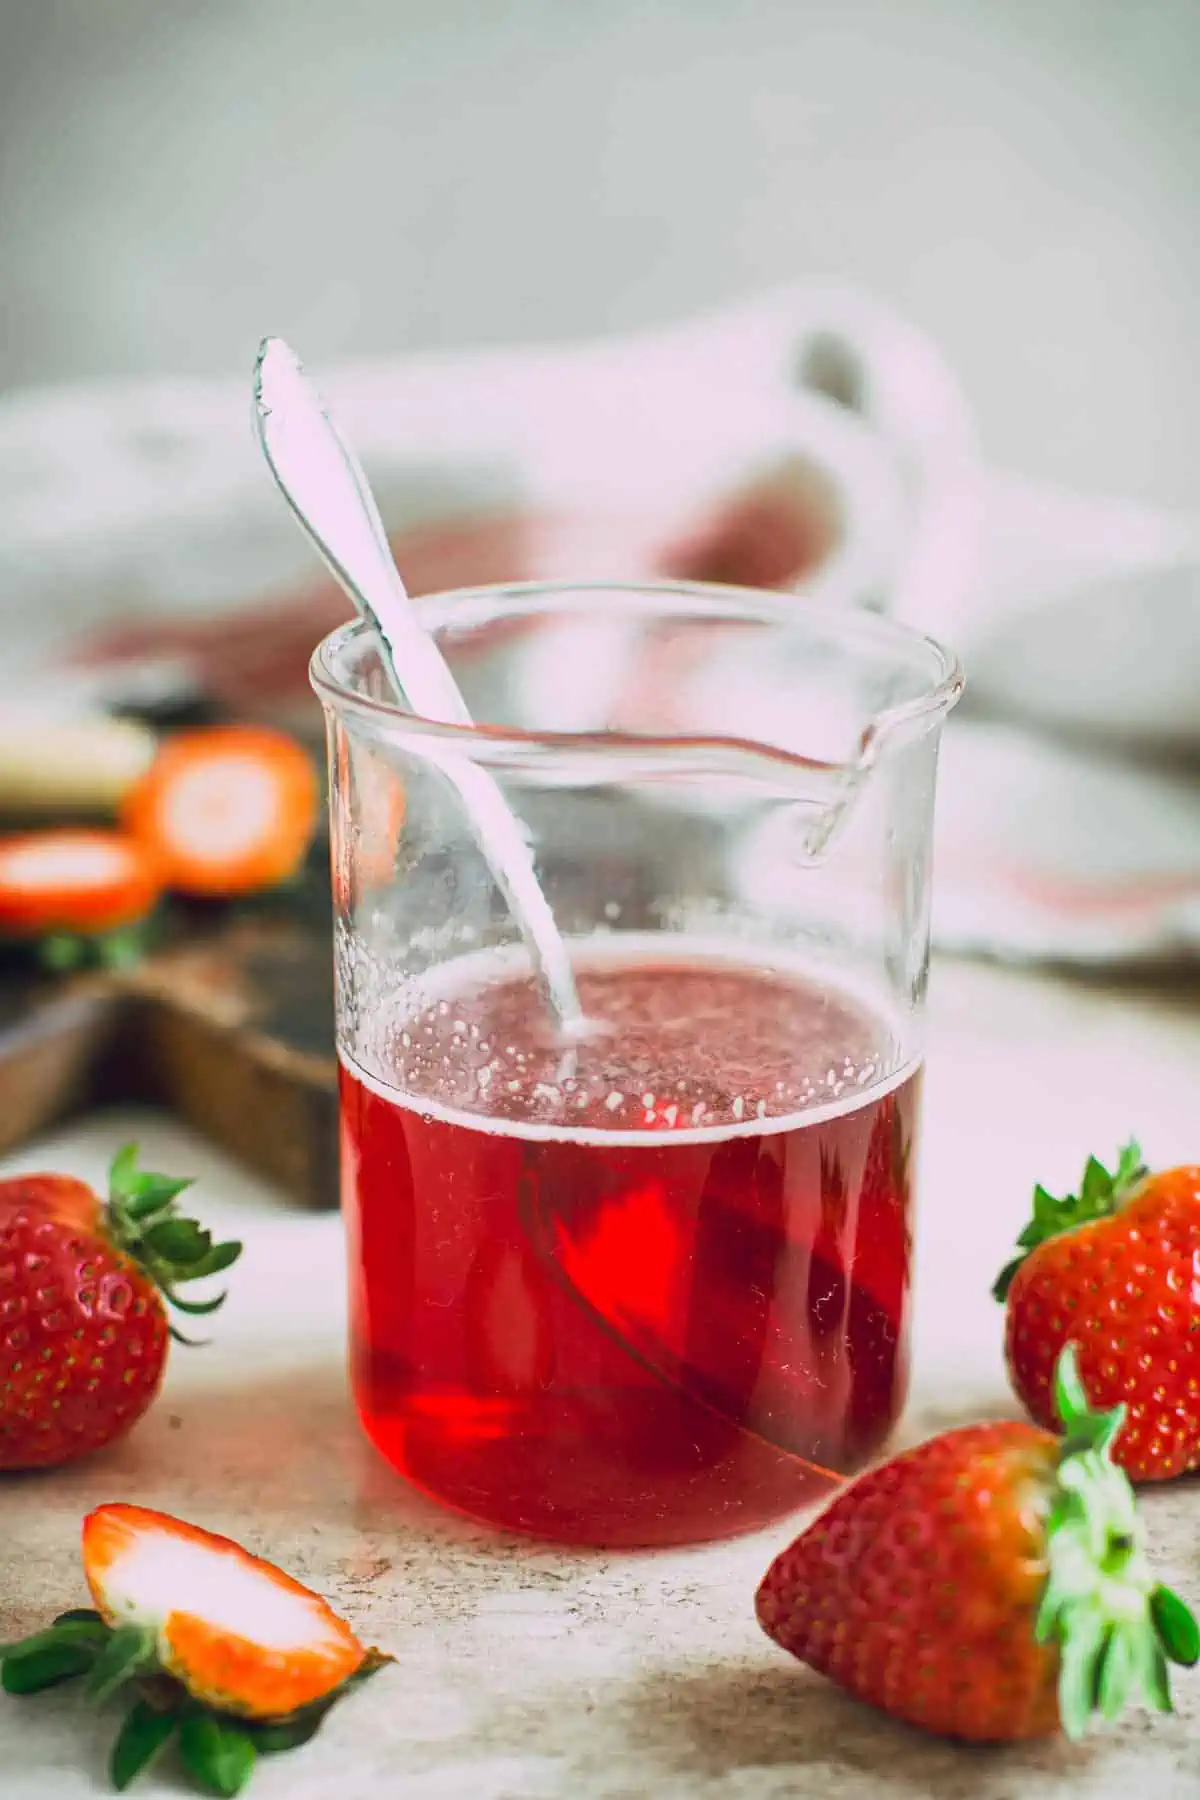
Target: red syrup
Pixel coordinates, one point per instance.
(657, 1296)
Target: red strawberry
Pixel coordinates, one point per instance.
(61, 1196)
(989, 1585)
(84, 1290)
(224, 1648)
(1114, 1269)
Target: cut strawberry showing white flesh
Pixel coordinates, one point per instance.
(237, 1632)
(224, 1648)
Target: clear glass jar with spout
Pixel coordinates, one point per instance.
(652, 1285)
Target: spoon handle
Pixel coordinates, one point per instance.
(324, 485)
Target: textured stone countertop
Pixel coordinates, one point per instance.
(525, 1673)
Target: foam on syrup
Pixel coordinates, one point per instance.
(689, 1036)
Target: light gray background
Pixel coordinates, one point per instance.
(375, 175)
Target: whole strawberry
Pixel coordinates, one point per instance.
(84, 1291)
(1114, 1269)
(990, 1585)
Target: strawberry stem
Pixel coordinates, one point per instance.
(65, 1649)
(1116, 1628)
(65, 952)
(1102, 1192)
(144, 1734)
(128, 1651)
(144, 1220)
(219, 1753)
(218, 1749)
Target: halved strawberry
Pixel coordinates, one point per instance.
(222, 1647)
(73, 879)
(226, 810)
(237, 1632)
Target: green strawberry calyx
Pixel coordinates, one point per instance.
(143, 1219)
(1117, 1628)
(218, 1750)
(1102, 1192)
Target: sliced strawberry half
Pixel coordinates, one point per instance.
(70, 879)
(226, 810)
(237, 1632)
(225, 1651)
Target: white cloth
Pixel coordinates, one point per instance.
(149, 499)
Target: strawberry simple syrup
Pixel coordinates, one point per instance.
(652, 1295)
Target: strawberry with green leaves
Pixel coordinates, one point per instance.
(991, 1585)
(1114, 1269)
(217, 1651)
(85, 1288)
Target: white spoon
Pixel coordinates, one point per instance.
(323, 482)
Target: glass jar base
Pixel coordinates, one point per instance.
(653, 1475)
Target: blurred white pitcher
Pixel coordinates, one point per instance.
(145, 498)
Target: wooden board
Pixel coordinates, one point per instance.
(229, 1026)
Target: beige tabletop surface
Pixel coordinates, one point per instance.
(528, 1673)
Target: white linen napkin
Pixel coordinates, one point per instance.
(146, 503)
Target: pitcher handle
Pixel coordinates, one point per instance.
(834, 339)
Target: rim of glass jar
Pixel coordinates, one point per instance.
(517, 599)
